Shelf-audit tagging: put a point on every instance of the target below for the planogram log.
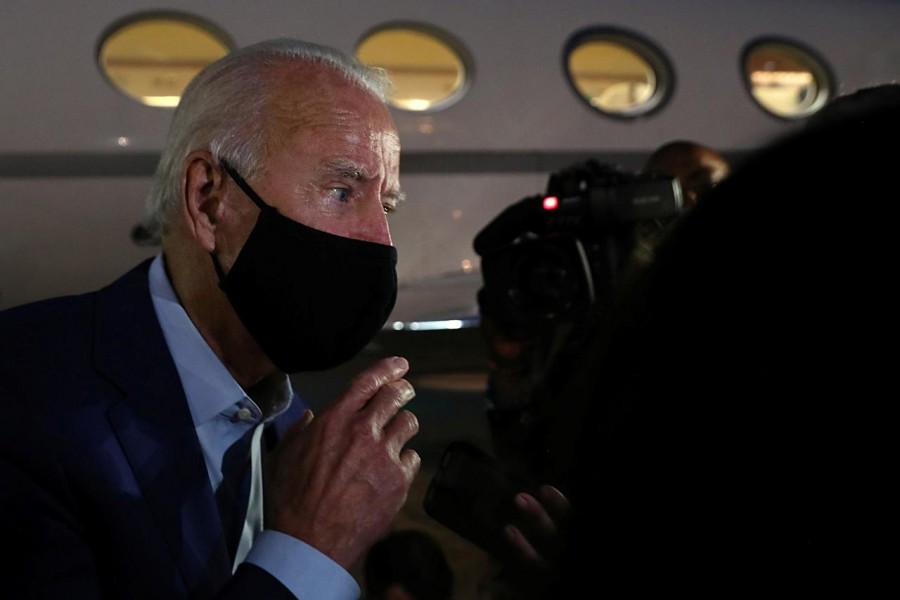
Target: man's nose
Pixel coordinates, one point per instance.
(373, 223)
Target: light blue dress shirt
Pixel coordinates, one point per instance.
(222, 411)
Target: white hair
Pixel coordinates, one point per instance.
(223, 110)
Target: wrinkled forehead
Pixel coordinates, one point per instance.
(310, 96)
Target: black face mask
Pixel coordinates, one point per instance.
(311, 300)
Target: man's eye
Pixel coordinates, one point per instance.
(388, 208)
(339, 194)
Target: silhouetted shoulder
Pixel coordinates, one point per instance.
(738, 432)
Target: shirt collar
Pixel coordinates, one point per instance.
(209, 387)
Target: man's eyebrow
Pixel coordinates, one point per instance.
(347, 169)
(397, 196)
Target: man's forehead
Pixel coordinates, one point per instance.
(344, 137)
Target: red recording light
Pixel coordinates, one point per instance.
(551, 203)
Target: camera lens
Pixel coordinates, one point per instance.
(547, 277)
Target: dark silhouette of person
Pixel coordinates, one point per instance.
(735, 419)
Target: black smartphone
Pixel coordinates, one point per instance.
(472, 494)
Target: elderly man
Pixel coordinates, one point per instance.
(123, 405)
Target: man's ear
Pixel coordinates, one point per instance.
(203, 186)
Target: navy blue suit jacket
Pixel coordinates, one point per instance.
(103, 488)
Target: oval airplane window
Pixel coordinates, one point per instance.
(429, 68)
(617, 73)
(785, 79)
(152, 57)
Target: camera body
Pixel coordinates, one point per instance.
(546, 260)
(552, 265)
(552, 255)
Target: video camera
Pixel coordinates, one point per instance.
(546, 260)
(552, 255)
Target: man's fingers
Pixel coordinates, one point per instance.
(371, 381)
(534, 515)
(411, 462)
(386, 404)
(301, 424)
(400, 429)
(523, 548)
(306, 418)
(555, 503)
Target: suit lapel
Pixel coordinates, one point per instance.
(154, 426)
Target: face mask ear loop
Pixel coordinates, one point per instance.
(251, 193)
(219, 272)
(242, 183)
